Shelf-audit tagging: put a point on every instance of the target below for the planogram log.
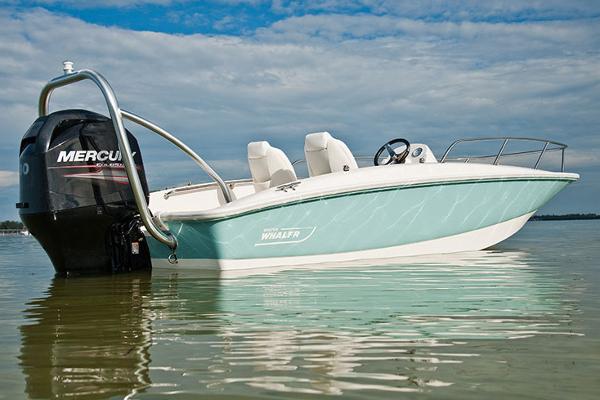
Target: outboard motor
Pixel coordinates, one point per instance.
(76, 199)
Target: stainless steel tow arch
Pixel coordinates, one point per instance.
(185, 148)
(116, 115)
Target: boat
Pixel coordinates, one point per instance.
(85, 198)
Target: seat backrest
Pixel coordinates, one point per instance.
(325, 154)
(269, 166)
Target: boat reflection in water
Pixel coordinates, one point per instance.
(393, 328)
(88, 337)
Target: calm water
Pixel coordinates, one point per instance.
(520, 321)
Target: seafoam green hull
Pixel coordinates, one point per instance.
(359, 221)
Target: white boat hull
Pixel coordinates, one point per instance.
(367, 214)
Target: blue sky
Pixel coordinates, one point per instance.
(221, 73)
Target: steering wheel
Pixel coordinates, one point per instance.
(392, 156)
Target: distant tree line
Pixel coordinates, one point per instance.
(564, 217)
(11, 225)
(19, 225)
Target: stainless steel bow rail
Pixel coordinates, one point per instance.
(117, 115)
(548, 146)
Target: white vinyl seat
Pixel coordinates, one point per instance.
(325, 154)
(269, 166)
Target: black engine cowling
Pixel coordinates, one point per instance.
(75, 195)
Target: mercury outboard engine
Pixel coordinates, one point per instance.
(75, 195)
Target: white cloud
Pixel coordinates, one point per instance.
(8, 178)
(447, 9)
(364, 78)
(104, 3)
(450, 39)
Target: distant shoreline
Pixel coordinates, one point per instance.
(565, 217)
(11, 232)
(15, 228)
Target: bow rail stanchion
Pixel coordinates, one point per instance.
(116, 114)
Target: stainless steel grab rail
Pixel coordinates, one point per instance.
(357, 158)
(505, 140)
(201, 186)
(116, 115)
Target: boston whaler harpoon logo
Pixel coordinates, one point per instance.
(274, 236)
